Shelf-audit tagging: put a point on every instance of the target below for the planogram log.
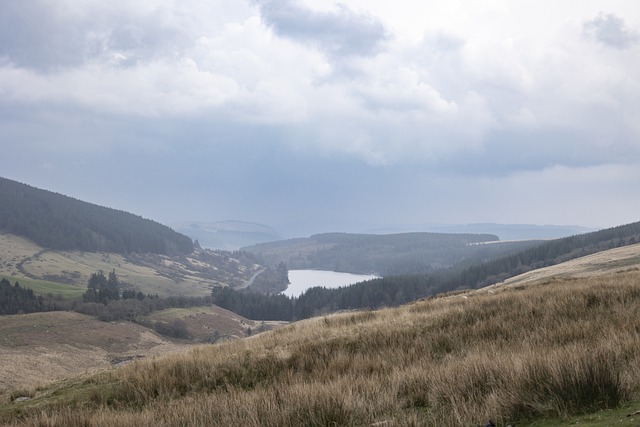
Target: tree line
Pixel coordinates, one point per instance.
(15, 299)
(386, 255)
(396, 290)
(108, 299)
(58, 222)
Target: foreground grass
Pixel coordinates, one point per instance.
(542, 355)
(624, 416)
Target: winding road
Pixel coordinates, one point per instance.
(250, 281)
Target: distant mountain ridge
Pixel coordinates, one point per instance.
(395, 290)
(516, 231)
(59, 222)
(503, 231)
(388, 254)
(227, 235)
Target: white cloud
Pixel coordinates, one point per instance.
(152, 89)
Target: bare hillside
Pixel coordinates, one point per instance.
(41, 347)
(609, 261)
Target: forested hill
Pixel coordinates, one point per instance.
(381, 254)
(397, 290)
(58, 222)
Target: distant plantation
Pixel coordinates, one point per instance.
(58, 222)
(385, 254)
(392, 291)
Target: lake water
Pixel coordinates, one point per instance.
(301, 280)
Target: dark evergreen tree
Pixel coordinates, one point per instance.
(55, 221)
(15, 299)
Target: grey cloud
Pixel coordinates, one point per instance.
(32, 35)
(611, 31)
(344, 32)
(39, 35)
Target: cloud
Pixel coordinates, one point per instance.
(342, 32)
(47, 35)
(612, 31)
(296, 98)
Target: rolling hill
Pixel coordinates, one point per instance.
(561, 351)
(58, 222)
(38, 348)
(397, 290)
(53, 243)
(383, 255)
(66, 273)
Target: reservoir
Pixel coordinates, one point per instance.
(301, 280)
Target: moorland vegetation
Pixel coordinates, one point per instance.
(511, 354)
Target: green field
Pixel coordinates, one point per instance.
(44, 287)
(195, 275)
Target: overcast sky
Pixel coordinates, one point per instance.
(327, 116)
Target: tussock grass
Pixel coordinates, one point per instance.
(546, 351)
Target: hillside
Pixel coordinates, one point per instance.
(383, 255)
(58, 222)
(39, 348)
(66, 272)
(605, 262)
(390, 291)
(545, 353)
(515, 231)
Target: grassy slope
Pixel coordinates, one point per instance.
(66, 273)
(211, 323)
(40, 347)
(532, 355)
(588, 266)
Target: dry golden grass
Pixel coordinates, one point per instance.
(605, 262)
(547, 350)
(38, 348)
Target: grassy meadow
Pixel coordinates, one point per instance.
(545, 354)
(65, 273)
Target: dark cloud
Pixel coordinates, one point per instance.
(343, 32)
(611, 31)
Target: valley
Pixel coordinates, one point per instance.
(548, 351)
(66, 272)
(148, 329)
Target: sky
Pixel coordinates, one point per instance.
(314, 115)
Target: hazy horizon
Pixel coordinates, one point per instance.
(328, 116)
